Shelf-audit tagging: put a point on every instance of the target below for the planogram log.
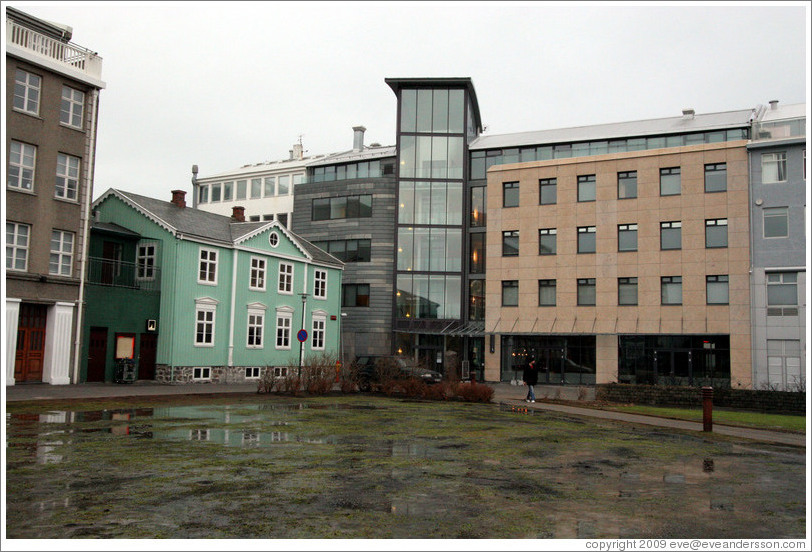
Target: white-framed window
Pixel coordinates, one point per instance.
(61, 260)
(207, 274)
(782, 294)
(784, 365)
(280, 371)
(773, 167)
(26, 92)
(256, 188)
(203, 194)
(317, 338)
(67, 176)
(270, 186)
(146, 257)
(320, 284)
(17, 239)
(257, 278)
(285, 278)
(72, 108)
(199, 434)
(252, 372)
(273, 237)
(201, 373)
(205, 320)
(256, 327)
(22, 159)
(284, 317)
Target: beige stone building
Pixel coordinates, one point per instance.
(622, 267)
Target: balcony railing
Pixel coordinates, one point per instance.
(63, 53)
(113, 273)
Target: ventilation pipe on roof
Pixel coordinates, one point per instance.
(358, 138)
(688, 113)
(194, 187)
(773, 104)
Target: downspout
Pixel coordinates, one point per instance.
(233, 306)
(90, 153)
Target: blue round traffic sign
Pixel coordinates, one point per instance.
(302, 336)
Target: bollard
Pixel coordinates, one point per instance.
(707, 409)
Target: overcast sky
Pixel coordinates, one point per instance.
(222, 85)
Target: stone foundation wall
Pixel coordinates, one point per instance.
(744, 399)
(219, 374)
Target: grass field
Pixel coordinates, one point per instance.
(725, 417)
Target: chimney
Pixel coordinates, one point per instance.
(358, 138)
(773, 104)
(238, 214)
(688, 113)
(179, 198)
(297, 152)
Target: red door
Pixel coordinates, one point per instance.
(146, 356)
(30, 342)
(97, 354)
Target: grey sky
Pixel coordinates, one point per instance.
(221, 85)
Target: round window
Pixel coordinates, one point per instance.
(273, 239)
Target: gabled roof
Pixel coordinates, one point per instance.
(628, 129)
(193, 223)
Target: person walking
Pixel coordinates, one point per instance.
(530, 377)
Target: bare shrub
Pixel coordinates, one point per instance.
(475, 392)
(440, 391)
(319, 373)
(267, 383)
(291, 382)
(414, 387)
(387, 374)
(348, 378)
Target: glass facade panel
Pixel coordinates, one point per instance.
(455, 204)
(439, 157)
(424, 110)
(453, 291)
(438, 203)
(422, 202)
(478, 216)
(406, 205)
(408, 110)
(476, 300)
(437, 254)
(407, 151)
(455, 157)
(422, 163)
(440, 107)
(476, 264)
(456, 111)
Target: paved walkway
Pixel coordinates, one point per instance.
(503, 393)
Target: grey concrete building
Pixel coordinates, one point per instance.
(52, 99)
(778, 243)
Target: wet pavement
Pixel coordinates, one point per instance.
(503, 393)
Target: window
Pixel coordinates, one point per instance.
(670, 235)
(252, 372)
(21, 161)
(256, 188)
(510, 194)
(510, 293)
(320, 284)
(273, 239)
(257, 278)
(671, 290)
(776, 222)
(586, 239)
(715, 233)
(72, 107)
(216, 190)
(283, 185)
(285, 278)
(627, 237)
(547, 241)
(784, 365)
(228, 190)
(670, 181)
(477, 257)
(627, 291)
(241, 189)
(546, 293)
(146, 257)
(317, 337)
(67, 176)
(627, 185)
(200, 373)
(586, 187)
(716, 177)
(586, 292)
(773, 167)
(256, 327)
(61, 261)
(334, 208)
(208, 267)
(26, 92)
(717, 290)
(283, 320)
(782, 294)
(348, 251)
(478, 214)
(280, 371)
(270, 186)
(355, 295)
(17, 246)
(548, 191)
(510, 243)
(204, 327)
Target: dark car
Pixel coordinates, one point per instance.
(370, 367)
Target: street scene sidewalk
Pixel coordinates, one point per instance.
(504, 393)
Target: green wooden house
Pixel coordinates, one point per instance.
(184, 295)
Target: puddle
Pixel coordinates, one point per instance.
(390, 469)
